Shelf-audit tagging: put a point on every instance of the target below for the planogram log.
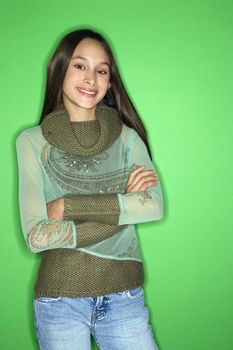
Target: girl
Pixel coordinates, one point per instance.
(85, 179)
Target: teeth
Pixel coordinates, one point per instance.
(88, 92)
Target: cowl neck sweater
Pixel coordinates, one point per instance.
(75, 273)
(84, 138)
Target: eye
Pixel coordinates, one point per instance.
(102, 72)
(79, 66)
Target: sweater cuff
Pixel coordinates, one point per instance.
(89, 233)
(102, 208)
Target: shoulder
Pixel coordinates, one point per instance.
(129, 134)
(31, 135)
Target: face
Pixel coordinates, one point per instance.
(87, 77)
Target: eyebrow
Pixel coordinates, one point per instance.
(84, 58)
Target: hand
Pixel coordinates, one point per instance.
(141, 179)
(55, 209)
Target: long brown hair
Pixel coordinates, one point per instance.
(115, 97)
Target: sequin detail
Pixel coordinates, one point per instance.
(70, 172)
(87, 164)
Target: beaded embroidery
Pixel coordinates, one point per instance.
(67, 171)
(87, 164)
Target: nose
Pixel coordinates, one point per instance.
(90, 77)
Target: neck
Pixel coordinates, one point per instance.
(77, 113)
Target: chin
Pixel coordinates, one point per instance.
(88, 105)
(91, 104)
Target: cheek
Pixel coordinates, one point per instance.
(69, 80)
(72, 74)
(104, 83)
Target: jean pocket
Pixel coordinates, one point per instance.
(48, 299)
(135, 293)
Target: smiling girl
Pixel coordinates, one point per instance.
(85, 179)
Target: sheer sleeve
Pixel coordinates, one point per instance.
(40, 233)
(139, 207)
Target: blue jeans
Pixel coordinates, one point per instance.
(117, 321)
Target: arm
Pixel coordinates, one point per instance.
(117, 208)
(101, 208)
(93, 232)
(40, 231)
(141, 206)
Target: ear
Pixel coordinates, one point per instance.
(109, 85)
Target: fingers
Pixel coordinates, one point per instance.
(141, 186)
(147, 185)
(138, 175)
(134, 173)
(141, 179)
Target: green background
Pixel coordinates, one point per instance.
(176, 61)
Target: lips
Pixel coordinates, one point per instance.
(87, 92)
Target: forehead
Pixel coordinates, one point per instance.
(91, 49)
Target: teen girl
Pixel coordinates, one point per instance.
(85, 179)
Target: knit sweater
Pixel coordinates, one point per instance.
(94, 250)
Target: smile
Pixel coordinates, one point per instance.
(86, 92)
